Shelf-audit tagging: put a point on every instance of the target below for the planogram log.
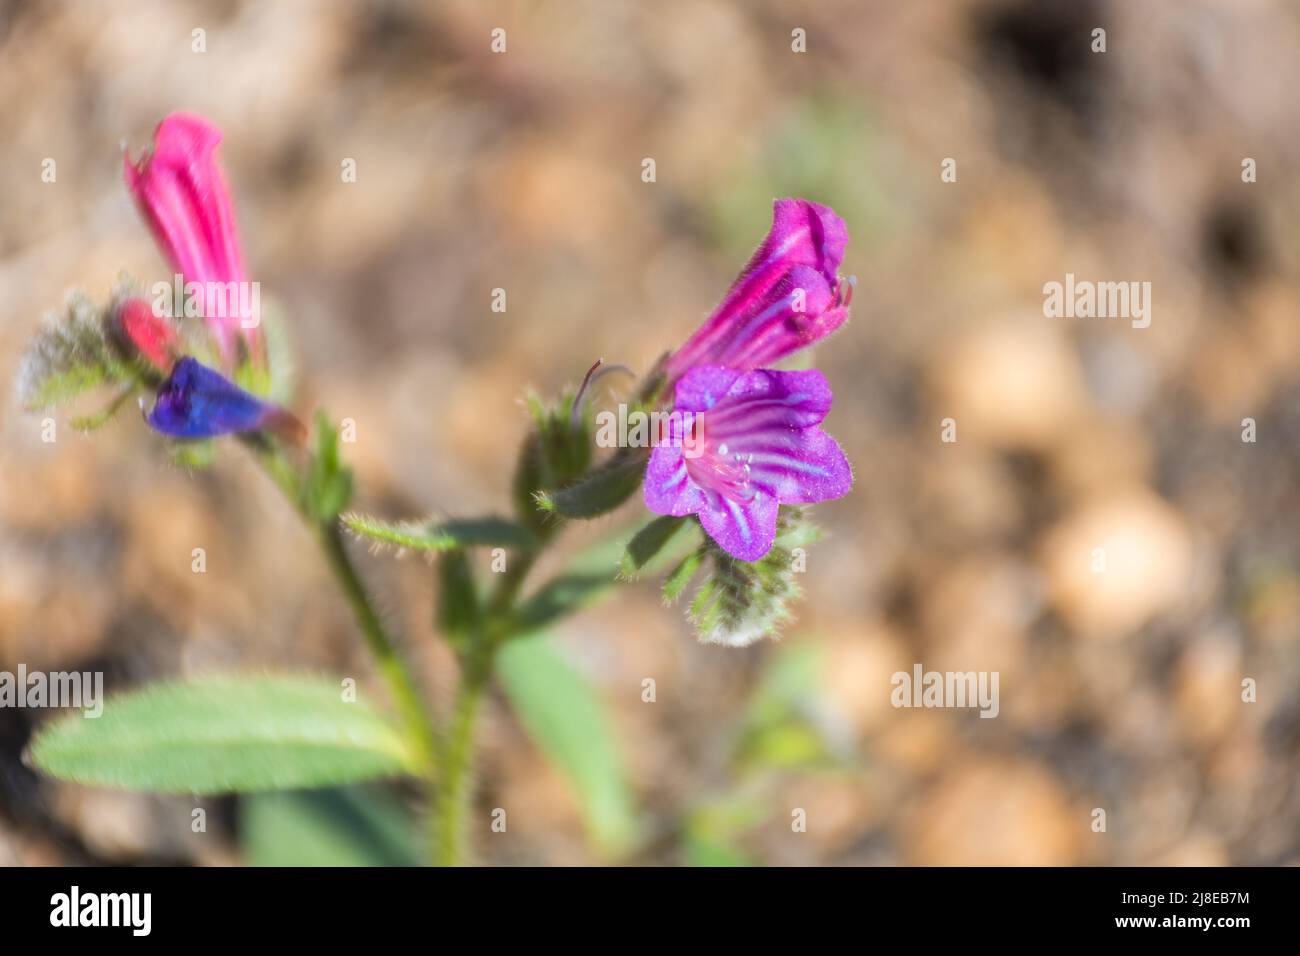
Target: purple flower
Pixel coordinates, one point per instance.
(197, 402)
(752, 444)
(787, 297)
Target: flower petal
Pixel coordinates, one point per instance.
(184, 198)
(745, 530)
(668, 489)
(814, 468)
(803, 233)
(704, 386)
(198, 402)
(757, 445)
(766, 430)
(802, 251)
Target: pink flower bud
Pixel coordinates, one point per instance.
(150, 336)
(183, 196)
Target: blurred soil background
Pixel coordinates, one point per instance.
(1120, 691)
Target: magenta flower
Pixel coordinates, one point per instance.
(183, 196)
(788, 296)
(754, 444)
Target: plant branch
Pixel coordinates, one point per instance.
(454, 788)
(396, 671)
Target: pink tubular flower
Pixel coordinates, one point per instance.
(787, 297)
(752, 444)
(183, 197)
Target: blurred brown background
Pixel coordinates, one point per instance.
(475, 171)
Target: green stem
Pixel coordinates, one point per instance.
(454, 788)
(455, 779)
(394, 668)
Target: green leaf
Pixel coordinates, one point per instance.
(490, 531)
(565, 719)
(71, 355)
(343, 826)
(711, 831)
(647, 543)
(560, 597)
(700, 851)
(600, 492)
(682, 575)
(592, 574)
(327, 486)
(226, 734)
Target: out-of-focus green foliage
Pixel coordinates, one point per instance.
(345, 826)
(327, 488)
(779, 729)
(819, 149)
(711, 831)
(563, 714)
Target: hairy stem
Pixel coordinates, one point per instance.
(454, 787)
(396, 671)
(394, 668)
(455, 778)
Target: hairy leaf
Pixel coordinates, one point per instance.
(649, 542)
(226, 734)
(489, 531)
(71, 355)
(560, 597)
(600, 492)
(682, 575)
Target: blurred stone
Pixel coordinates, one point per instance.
(1156, 813)
(914, 741)
(1101, 455)
(1117, 561)
(837, 810)
(966, 492)
(976, 615)
(1014, 385)
(165, 525)
(1208, 687)
(1230, 377)
(1200, 849)
(858, 668)
(999, 812)
(114, 824)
